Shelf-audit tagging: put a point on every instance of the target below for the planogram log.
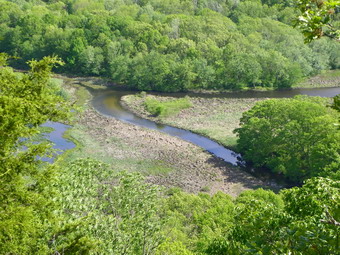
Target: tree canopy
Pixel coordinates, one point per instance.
(168, 45)
(297, 137)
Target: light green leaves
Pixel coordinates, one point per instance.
(295, 137)
(26, 210)
(318, 18)
(120, 211)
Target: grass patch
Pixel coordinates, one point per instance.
(330, 73)
(166, 108)
(82, 96)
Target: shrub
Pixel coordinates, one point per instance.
(166, 108)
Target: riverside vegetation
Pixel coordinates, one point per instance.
(84, 206)
(89, 208)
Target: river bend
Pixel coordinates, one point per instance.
(107, 102)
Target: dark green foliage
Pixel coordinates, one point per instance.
(166, 108)
(167, 45)
(297, 221)
(336, 104)
(315, 215)
(296, 137)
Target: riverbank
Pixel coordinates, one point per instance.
(329, 78)
(215, 118)
(163, 159)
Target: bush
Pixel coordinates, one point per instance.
(166, 108)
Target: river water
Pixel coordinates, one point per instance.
(60, 144)
(107, 102)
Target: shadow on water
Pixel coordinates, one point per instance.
(107, 102)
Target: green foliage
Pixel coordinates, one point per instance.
(167, 45)
(315, 212)
(196, 220)
(295, 137)
(173, 248)
(166, 108)
(56, 85)
(27, 220)
(319, 18)
(336, 103)
(258, 220)
(298, 221)
(120, 213)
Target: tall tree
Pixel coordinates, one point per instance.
(26, 208)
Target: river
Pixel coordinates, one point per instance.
(107, 102)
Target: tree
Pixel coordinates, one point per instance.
(301, 220)
(336, 103)
(317, 19)
(315, 214)
(26, 207)
(184, 43)
(295, 137)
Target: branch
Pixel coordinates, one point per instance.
(330, 220)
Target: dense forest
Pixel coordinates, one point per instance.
(168, 45)
(87, 207)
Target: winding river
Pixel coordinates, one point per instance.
(107, 102)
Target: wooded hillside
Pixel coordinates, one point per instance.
(168, 45)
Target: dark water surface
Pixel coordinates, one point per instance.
(107, 102)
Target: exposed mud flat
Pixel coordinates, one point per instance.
(195, 170)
